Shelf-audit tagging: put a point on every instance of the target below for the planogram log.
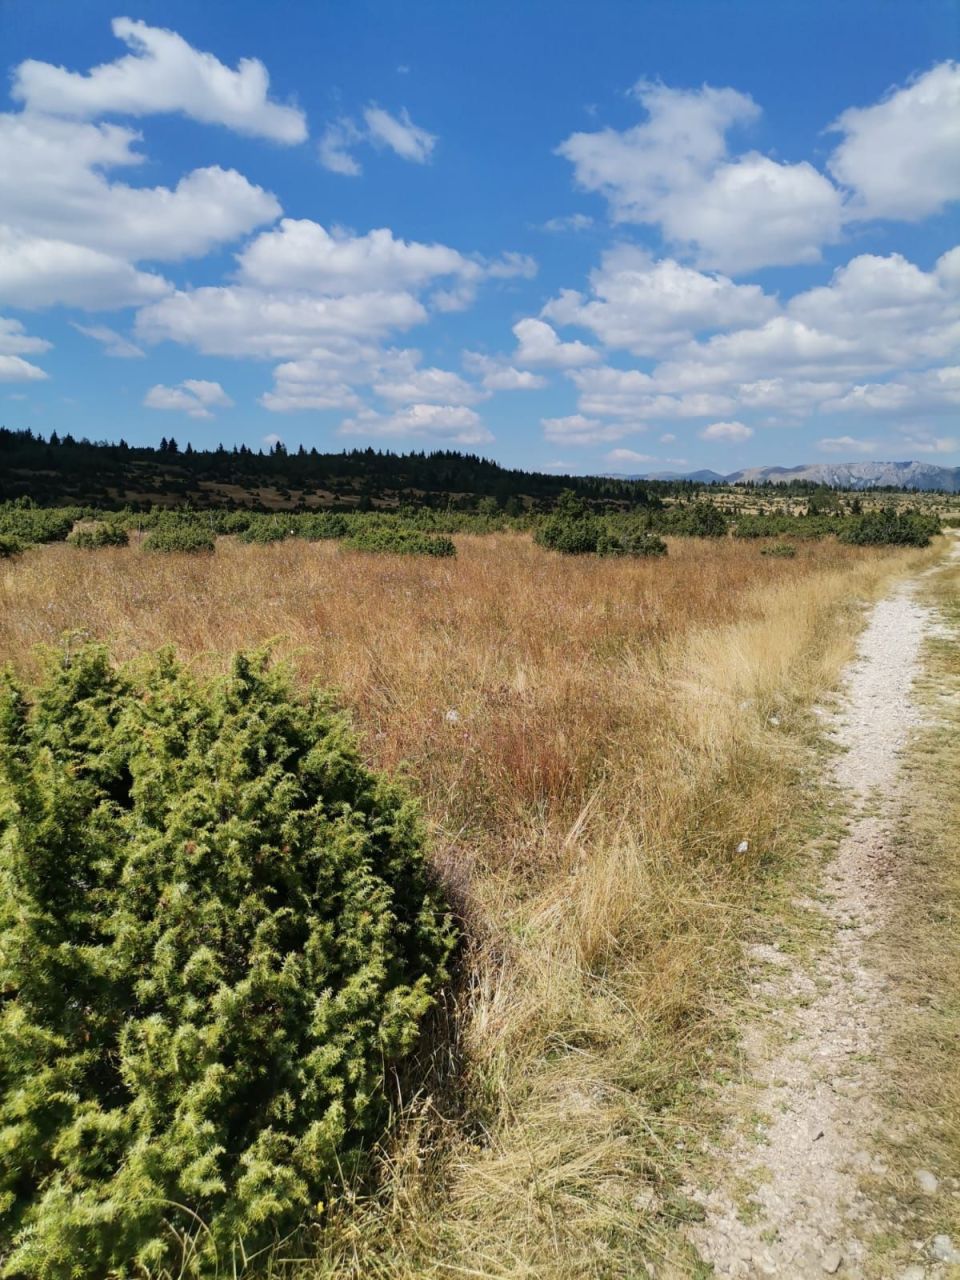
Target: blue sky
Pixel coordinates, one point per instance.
(595, 237)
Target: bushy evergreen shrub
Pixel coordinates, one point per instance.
(698, 520)
(100, 535)
(267, 529)
(318, 526)
(781, 550)
(615, 541)
(217, 933)
(10, 546)
(394, 540)
(182, 536)
(890, 527)
(30, 524)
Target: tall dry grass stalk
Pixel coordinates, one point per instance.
(594, 742)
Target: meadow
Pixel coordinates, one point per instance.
(615, 761)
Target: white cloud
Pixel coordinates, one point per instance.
(193, 396)
(14, 345)
(668, 438)
(399, 134)
(930, 391)
(497, 375)
(16, 369)
(728, 432)
(322, 381)
(569, 222)
(673, 171)
(62, 194)
(754, 212)
(921, 441)
(435, 386)
(303, 255)
(379, 129)
(333, 149)
(901, 156)
(272, 439)
(646, 307)
(38, 272)
(846, 444)
(612, 392)
(538, 344)
(13, 340)
(162, 74)
(577, 429)
(453, 423)
(114, 344)
(238, 321)
(628, 456)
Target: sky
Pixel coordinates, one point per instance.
(609, 237)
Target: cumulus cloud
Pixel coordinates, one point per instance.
(438, 422)
(193, 396)
(577, 429)
(846, 444)
(538, 344)
(917, 440)
(435, 386)
(233, 320)
(498, 375)
(632, 393)
(673, 171)
(15, 343)
(39, 272)
(647, 306)
(628, 457)
(62, 194)
(728, 432)
(303, 255)
(901, 156)
(162, 74)
(380, 129)
(113, 343)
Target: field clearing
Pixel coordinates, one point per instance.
(594, 742)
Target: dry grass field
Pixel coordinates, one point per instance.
(612, 756)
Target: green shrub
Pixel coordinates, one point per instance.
(630, 542)
(890, 528)
(398, 541)
(10, 546)
(101, 535)
(179, 537)
(782, 550)
(698, 520)
(217, 934)
(266, 529)
(31, 524)
(571, 536)
(323, 524)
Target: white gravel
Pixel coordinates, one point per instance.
(819, 1085)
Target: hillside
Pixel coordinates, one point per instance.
(836, 475)
(67, 471)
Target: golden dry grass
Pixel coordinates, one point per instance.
(592, 741)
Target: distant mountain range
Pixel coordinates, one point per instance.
(836, 475)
